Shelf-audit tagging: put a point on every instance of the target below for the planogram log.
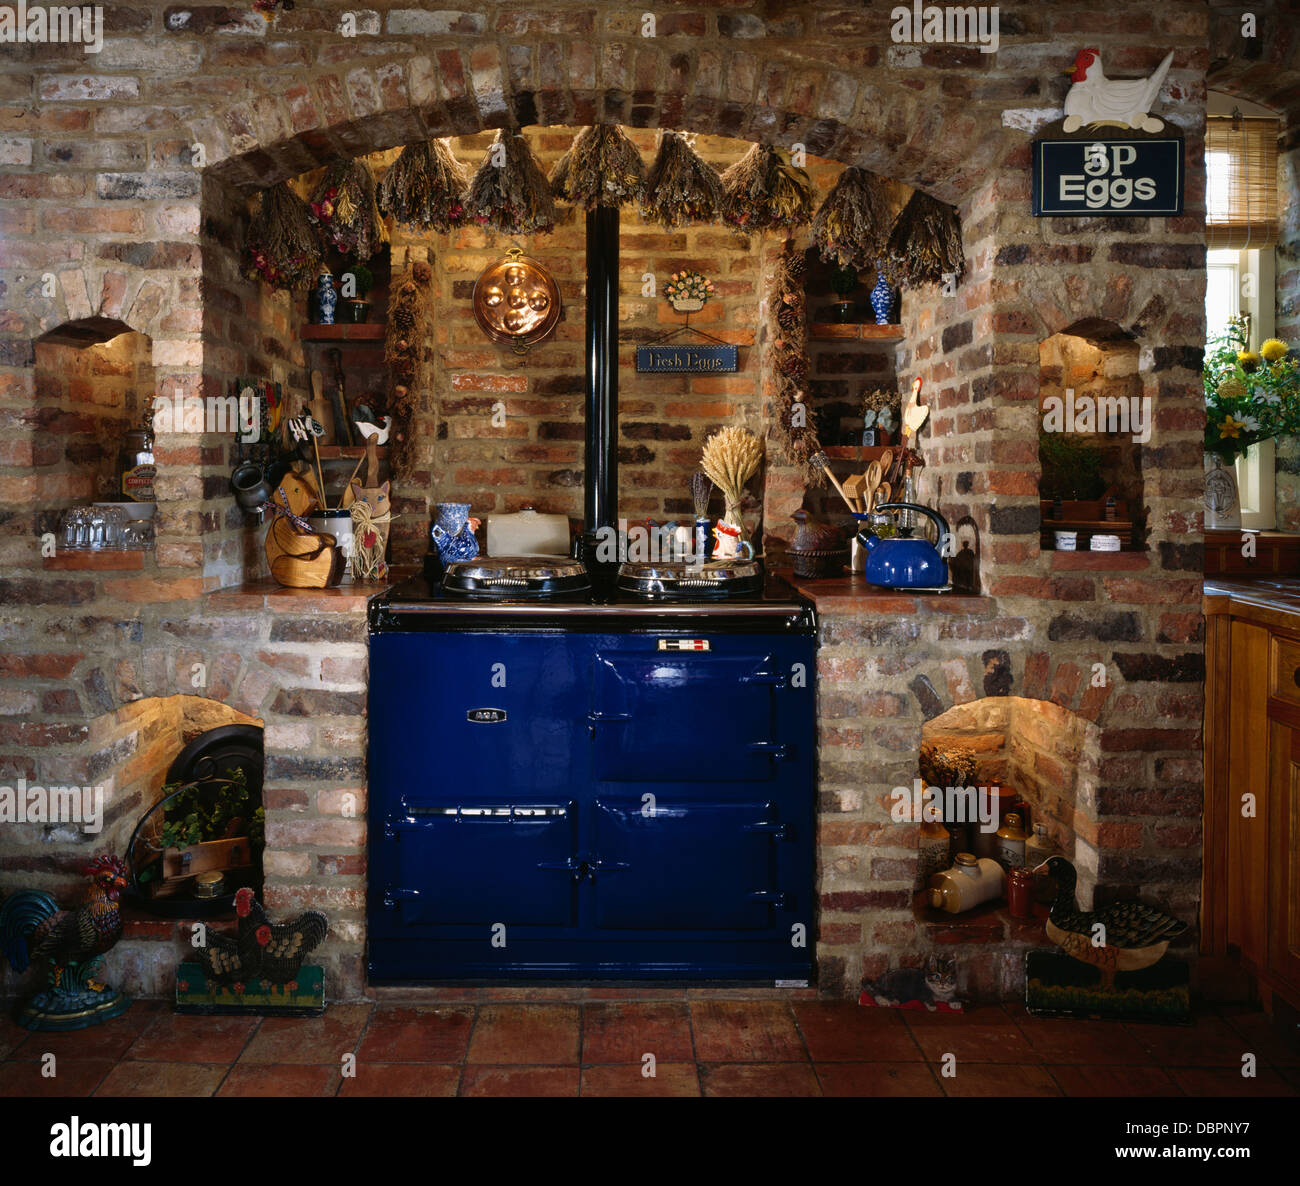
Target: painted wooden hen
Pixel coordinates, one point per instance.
(278, 949)
(1099, 101)
(1134, 935)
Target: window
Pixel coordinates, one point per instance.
(1240, 181)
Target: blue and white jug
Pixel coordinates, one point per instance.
(882, 299)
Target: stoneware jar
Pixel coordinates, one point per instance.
(970, 882)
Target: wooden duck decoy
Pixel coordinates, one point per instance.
(1136, 935)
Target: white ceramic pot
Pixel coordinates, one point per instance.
(339, 525)
(1222, 498)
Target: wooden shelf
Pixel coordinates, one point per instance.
(850, 331)
(866, 453)
(365, 332)
(334, 452)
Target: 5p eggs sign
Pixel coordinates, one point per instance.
(1139, 178)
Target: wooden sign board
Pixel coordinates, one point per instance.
(1092, 177)
(695, 360)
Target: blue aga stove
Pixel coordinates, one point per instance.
(574, 785)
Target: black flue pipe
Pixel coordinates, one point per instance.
(600, 486)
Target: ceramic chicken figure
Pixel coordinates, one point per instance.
(1098, 101)
(33, 927)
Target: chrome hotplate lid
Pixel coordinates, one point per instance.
(516, 576)
(681, 580)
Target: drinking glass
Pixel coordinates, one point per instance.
(114, 524)
(96, 529)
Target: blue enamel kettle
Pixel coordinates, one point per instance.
(904, 563)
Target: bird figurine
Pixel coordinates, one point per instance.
(262, 950)
(369, 430)
(1099, 101)
(32, 927)
(1132, 935)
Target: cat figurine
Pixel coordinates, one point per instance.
(370, 541)
(932, 987)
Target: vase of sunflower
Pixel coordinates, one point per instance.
(1250, 396)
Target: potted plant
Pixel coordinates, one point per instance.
(843, 282)
(1071, 468)
(1250, 396)
(355, 283)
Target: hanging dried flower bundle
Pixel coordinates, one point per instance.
(509, 192)
(281, 247)
(404, 349)
(792, 427)
(602, 168)
(764, 190)
(852, 226)
(681, 187)
(925, 245)
(343, 206)
(425, 187)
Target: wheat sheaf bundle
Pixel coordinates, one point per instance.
(731, 457)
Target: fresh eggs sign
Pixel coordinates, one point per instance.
(1108, 177)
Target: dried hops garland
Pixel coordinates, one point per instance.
(404, 345)
(281, 246)
(601, 168)
(925, 245)
(425, 187)
(852, 226)
(681, 187)
(344, 208)
(792, 424)
(509, 192)
(765, 190)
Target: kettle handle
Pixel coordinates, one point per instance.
(945, 532)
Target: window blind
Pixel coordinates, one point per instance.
(1240, 182)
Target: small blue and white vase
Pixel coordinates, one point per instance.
(451, 533)
(882, 300)
(326, 298)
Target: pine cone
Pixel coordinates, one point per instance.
(797, 265)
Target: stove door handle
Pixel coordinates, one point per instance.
(775, 679)
(773, 749)
(395, 895)
(772, 897)
(777, 831)
(579, 869)
(600, 718)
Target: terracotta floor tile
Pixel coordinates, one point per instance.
(617, 993)
(999, 1079)
(402, 1079)
(174, 1037)
(280, 1079)
(669, 1079)
(1227, 1081)
(163, 1079)
(110, 1040)
(745, 1031)
(760, 1078)
(1095, 1043)
(306, 1040)
(844, 1031)
(416, 1035)
(74, 1077)
(980, 1036)
(1209, 1042)
(1114, 1081)
(525, 1035)
(519, 1081)
(878, 1078)
(1265, 1037)
(627, 1031)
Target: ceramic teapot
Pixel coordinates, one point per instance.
(901, 562)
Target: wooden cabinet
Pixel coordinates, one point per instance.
(1276, 554)
(1251, 885)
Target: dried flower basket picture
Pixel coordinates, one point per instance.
(688, 292)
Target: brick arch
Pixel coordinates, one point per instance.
(370, 103)
(1265, 69)
(126, 296)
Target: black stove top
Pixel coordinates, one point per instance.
(420, 604)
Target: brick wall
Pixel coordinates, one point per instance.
(96, 187)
